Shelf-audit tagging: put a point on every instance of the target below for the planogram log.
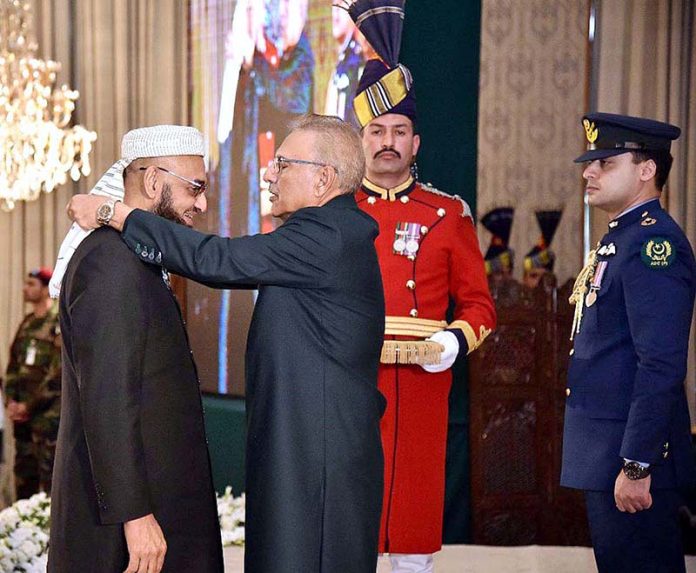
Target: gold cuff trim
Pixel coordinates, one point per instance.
(382, 96)
(472, 340)
(411, 352)
(408, 326)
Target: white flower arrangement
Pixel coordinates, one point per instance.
(24, 530)
(24, 535)
(231, 512)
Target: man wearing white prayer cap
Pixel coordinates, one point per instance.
(132, 487)
(147, 142)
(314, 462)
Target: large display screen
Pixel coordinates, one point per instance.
(254, 66)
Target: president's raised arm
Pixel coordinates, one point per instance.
(295, 255)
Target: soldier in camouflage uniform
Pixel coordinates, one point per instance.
(32, 388)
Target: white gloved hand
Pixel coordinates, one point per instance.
(449, 354)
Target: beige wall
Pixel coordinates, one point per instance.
(532, 96)
(130, 68)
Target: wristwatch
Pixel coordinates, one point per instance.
(105, 211)
(634, 471)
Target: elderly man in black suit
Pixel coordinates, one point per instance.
(132, 485)
(314, 456)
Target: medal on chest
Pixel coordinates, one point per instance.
(407, 237)
(588, 283)
(596, 283)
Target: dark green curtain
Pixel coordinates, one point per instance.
(441, 48)
(225, 424)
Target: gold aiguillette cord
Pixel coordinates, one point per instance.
(580, 290)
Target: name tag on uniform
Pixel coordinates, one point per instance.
(407, 238)
(30, 360)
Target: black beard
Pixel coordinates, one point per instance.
(165, 206)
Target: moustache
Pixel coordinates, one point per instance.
(388, 150)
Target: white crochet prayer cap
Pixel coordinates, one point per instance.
(162, 141)
(154, 141)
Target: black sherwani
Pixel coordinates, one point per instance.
(131, 439)
(314, 458)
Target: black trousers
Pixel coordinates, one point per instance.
(648, 541)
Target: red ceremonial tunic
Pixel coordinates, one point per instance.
(428, 253)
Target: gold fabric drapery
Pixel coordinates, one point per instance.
(647, 67)
(130, 68)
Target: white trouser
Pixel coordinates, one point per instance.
(404, 563)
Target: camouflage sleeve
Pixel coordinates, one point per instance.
(48, 393)
(11, 388)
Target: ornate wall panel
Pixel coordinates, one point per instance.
(532, 95)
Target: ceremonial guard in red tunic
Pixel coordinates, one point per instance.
(429, 254)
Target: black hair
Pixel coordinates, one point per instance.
(663, 163)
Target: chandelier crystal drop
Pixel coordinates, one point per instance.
(38, 146)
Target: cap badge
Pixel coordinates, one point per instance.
(590, 130)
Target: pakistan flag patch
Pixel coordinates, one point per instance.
(658, 253)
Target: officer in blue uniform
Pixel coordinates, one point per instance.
(627, 430)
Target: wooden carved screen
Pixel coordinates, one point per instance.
(517, 396)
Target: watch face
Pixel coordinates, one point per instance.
(635, 471)
(104, 212)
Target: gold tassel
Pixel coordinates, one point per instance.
(580, 289)
(411, 352)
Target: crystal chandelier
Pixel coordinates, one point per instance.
(38, 148)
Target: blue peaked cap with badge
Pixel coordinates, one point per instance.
(610, 134)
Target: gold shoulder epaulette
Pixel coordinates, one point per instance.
(466, 210)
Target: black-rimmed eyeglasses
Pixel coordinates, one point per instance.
(197, 185)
